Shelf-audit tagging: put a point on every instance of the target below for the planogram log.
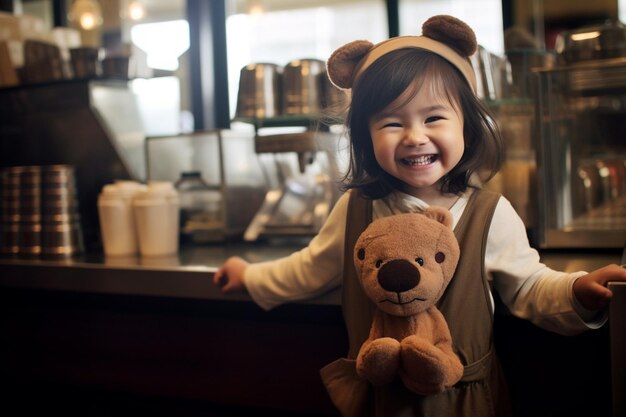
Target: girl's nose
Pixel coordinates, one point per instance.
(415, 136)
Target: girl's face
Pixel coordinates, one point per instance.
(418, 139)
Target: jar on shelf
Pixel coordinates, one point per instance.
(200, 209)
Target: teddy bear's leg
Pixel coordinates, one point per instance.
(378, 360)
(426, 369)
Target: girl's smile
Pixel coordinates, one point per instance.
(418, 139)
(419, 161)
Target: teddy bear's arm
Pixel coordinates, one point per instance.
(379, 357)
(444, 342)
(441, 332)
(429, 365)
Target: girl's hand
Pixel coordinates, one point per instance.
(591, 291)
(230, 275)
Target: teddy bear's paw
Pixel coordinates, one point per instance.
(378, 360)
(425, 368)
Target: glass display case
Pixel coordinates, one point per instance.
(581, 154)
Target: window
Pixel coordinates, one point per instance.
(163, 42)
(487, 23)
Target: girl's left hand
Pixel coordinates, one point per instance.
(591, 290)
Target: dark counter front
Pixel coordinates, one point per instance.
(94, 336)
(97, 336)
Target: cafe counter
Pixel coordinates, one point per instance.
(99, 336)
(154, 335)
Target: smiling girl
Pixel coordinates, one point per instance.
(420, 137)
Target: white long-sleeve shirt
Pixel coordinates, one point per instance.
(527, 287)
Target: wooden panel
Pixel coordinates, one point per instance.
(553, 375)
(229, 354)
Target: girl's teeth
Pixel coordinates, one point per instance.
(420, 160)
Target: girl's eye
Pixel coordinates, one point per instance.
(392, 124)
(432, 119)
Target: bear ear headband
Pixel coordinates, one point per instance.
(443, 35)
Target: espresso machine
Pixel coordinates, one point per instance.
(302, 155)
(302, 170)
(581, 148)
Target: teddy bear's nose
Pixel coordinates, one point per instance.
(398, 276)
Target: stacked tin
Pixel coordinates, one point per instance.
(39, 212)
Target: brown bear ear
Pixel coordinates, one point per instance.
(439, 214)
(342, 63)
(453, 32)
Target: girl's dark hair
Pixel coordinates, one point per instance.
(382, 83)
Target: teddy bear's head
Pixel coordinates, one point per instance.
(406, 261)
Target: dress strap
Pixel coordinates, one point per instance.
(357, 307)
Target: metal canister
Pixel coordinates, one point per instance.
(302, 93)
(259, 93)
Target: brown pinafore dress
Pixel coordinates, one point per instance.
(467, 308)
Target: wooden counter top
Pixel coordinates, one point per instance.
(186, 275)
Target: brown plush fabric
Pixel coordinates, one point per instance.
(342, 63)
(404, 263)
(444, 35)
(453, 32)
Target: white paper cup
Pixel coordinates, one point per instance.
(117, 218)
(118, 228)
(156, 216)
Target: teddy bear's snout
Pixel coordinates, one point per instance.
(398, 276)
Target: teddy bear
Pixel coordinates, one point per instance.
(404, 263)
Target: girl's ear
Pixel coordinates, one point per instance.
(342, 63)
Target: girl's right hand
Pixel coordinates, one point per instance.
(230, 275)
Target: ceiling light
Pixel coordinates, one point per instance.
(136, 11)
(86, 13)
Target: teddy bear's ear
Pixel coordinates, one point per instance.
(453, 32)
(342, 63)
(439, 214)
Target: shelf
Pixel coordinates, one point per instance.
(288, 121)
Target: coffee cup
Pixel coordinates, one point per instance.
(156, 214)
(117, 219)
